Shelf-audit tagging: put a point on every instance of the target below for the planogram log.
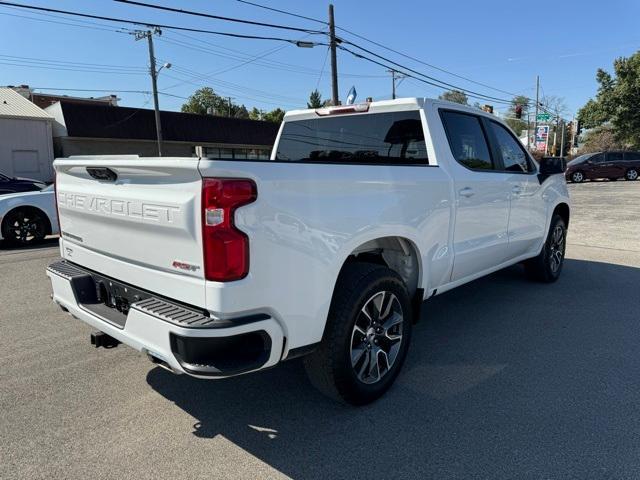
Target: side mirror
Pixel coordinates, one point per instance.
(552, 166)
(589, 162)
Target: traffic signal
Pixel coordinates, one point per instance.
(518, 111)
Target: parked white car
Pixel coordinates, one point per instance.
(218, 267)
(26, 218)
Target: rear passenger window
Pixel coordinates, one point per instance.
(631, 156)
(467, 141)
(513, 155)
(614, 156)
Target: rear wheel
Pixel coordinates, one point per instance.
(632, 174)
(546, 267)
(24, 226)
(577, 177)
(366, 337)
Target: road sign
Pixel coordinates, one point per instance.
(542, 137)
(544, 117)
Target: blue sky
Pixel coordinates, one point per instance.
(500, 43)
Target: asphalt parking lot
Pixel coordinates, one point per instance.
(505, 379)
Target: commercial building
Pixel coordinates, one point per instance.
(26, 148)
(97, 129)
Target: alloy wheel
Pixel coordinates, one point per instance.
(25, 227)
(556, 248)
(632, 174)
(377, 337)
(577, 177)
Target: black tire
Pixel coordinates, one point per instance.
(577, 177)
(631, 174)
(330, 367)
(547, 266)
(24, 226)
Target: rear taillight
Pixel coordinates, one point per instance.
(226, 249)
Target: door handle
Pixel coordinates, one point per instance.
(516, 190)
(466, 192)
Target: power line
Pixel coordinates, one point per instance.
(217, 17)
(92, 27)
(112, 90)
(65, 62)
(147, 24)
(435, 67)
(432, 81)
(15, 63)
(283, 12)
(383, 46)
(273, 64)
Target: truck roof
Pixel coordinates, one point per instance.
(397, 105)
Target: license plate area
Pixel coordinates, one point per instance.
(106, 298)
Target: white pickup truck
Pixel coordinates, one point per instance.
(217, 267)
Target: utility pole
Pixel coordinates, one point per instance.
(229, 100)
(334, 61)
(393, 83)
(535, 124)
(148, 34)
(394, 77)
(562, 141)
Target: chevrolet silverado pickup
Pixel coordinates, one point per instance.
(217, 267)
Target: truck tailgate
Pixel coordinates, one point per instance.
(135, 219)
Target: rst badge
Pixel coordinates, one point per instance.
(185, 266)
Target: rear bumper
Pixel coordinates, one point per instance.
(184, 339)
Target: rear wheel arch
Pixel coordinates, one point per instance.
(563, 210)
(398, 253)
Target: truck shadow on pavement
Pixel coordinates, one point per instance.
(505, 378)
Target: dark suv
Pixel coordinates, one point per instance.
(15, 185)
(611, 165)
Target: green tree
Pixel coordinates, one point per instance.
(617, 100)
(456, 96)
(256, 114)
(599, 139)
(517, 125)
(591, 115)
(205, 101)
(315, 100)
(275, 116)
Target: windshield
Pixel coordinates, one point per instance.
(581, 158)
(380, 138)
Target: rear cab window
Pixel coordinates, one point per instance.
(394, 138)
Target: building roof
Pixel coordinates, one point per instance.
(102, 121)
(43, 100)
(14, 105)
